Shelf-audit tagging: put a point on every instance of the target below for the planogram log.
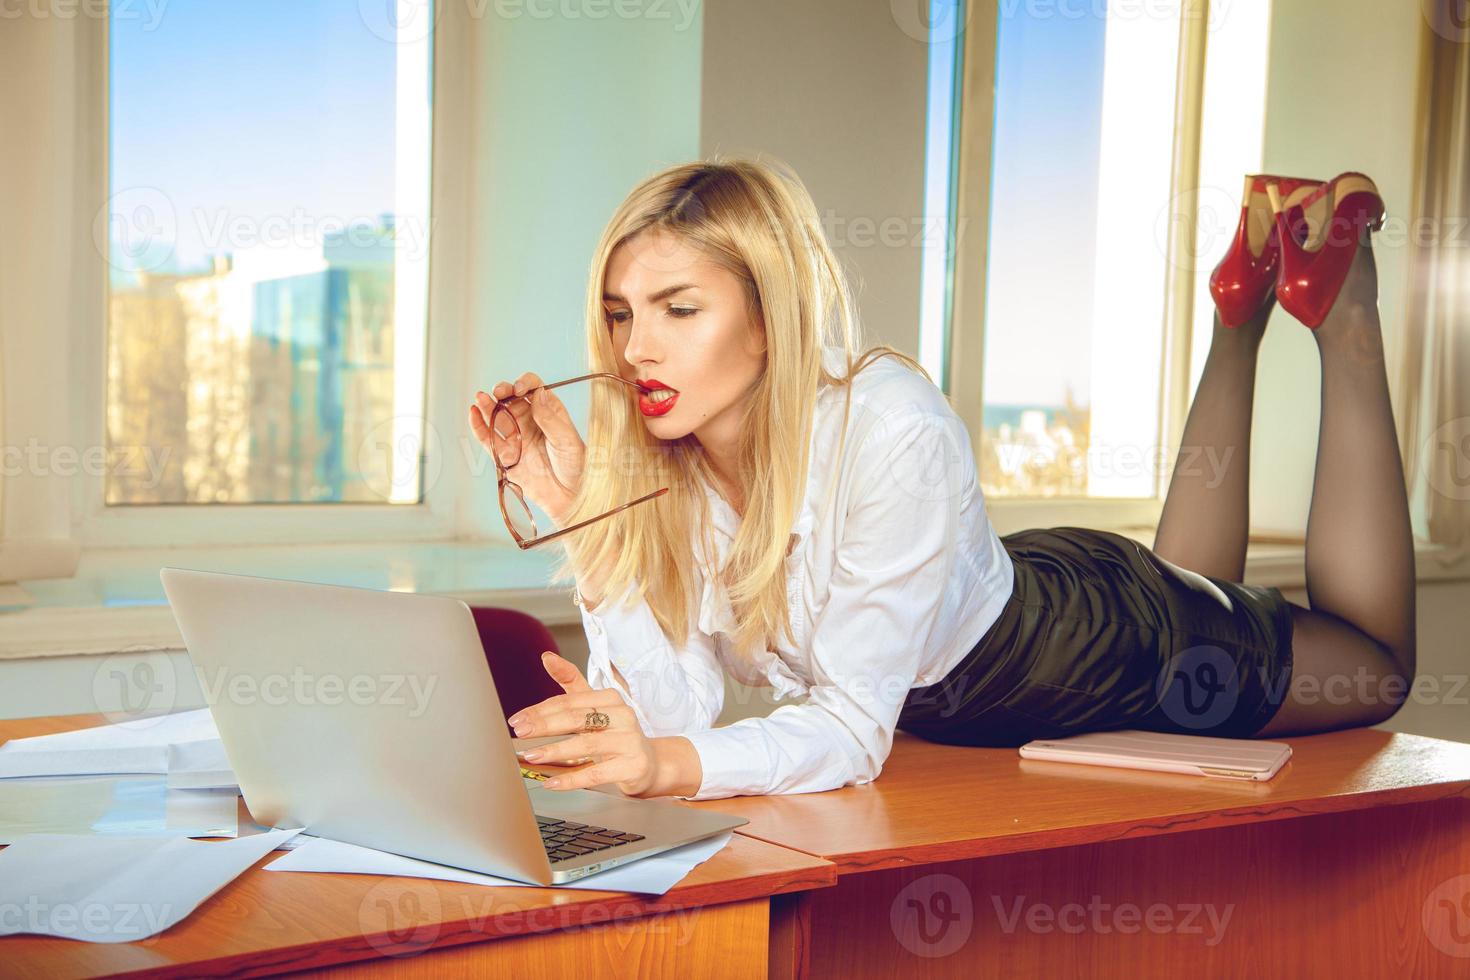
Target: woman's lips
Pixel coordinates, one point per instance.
(653, 409)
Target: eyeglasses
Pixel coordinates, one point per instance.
(513, 505)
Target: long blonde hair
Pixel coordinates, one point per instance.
(756, 220)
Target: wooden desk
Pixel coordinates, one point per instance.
(1353, 862)
(720, 921)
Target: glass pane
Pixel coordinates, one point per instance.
(267, 241)
(1075, 286)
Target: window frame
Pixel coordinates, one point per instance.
(965, 360)
(439, 515)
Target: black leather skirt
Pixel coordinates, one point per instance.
(1100, 633)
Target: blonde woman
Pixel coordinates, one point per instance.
(803, 515)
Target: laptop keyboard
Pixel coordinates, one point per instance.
(567, 839)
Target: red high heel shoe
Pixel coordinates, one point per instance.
(1243, 281)
(1340, 215)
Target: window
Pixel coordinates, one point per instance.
(1104, 193)
(267, 247)
(1084, 120)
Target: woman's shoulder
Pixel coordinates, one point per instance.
(885, 387)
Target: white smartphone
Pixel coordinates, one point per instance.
(1200, 755)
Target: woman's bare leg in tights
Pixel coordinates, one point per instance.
(1206, 517)
(1353, 650)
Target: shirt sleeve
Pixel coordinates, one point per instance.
(672, 690)
(911, 475)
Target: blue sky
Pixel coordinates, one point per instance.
(1044, 204)
(257, 110)
(253, 110)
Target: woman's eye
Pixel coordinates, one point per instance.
(617, 316)
(682, 311)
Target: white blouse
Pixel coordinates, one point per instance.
(890, 582)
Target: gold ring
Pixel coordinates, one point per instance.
(596, 721)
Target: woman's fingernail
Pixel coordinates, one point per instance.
(514, 720)
(520, 730)
(532, 755)
(552, 783)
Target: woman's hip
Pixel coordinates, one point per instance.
(1100, 633)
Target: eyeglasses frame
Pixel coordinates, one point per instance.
(502, 472)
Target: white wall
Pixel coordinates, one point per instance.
(837, 90)
(1341, 96)
(574, 112)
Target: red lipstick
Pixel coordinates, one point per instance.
(651, 408)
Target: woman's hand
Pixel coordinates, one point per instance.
(621, 753)
(552, 454)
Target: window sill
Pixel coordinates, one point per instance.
(115, 602)
(1282, 564)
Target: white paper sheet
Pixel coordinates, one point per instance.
(139, 746)
(651, 875)
(200, 765)
(182, 726)
(125, 805)
(116, 889)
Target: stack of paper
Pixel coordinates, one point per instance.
(165, 776)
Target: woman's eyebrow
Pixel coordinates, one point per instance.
(664, 293)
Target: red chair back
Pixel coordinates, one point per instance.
(514, 642)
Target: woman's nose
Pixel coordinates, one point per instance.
(642, 345)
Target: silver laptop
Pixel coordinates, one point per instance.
(371, 717)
